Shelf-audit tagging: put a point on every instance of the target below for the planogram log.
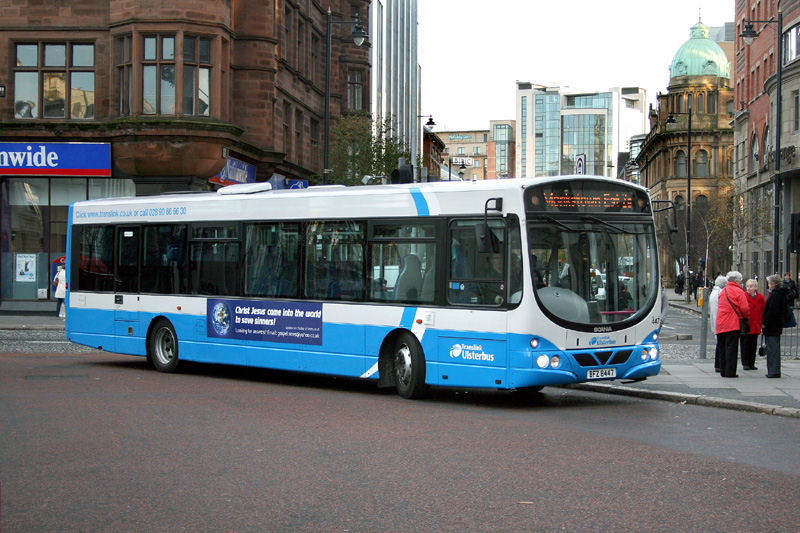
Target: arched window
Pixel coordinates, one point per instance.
(701, 203)
(754, 154)
(701, 164)
(765, 146)
(680, 164)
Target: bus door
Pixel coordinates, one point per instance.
(126, 284)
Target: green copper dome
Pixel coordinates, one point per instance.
(700, 56)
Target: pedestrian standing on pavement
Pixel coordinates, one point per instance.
(791, 287)
(774, 316)
(750, 342)
(713, 304)
(732, 307)
(60, 283)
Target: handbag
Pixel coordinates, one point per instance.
(789, 320)
(762, 350)
(744, 323)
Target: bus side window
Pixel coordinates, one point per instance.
(335, 260)
(477, 278)
(403, 262)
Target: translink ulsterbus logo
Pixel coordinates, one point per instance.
(470, 352)
(605, 340)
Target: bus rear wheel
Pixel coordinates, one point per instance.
(409, 367)
(162, 346)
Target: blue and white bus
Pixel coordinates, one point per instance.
(505, 284)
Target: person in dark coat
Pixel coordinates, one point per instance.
(791, 288)
(774, 317)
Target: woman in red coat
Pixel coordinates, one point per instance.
(732, 305)
(750, 342)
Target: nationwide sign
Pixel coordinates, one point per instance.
(55, 159)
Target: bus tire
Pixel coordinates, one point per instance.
(409, 367)
(162, 346)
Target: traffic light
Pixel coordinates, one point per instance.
(794, 234)
(403, 174)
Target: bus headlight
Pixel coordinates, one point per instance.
(534, 343)
(653, 353)
(543, 361)
(555, 361)
(645, 354)
(655, 337)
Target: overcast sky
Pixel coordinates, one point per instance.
(472, 52)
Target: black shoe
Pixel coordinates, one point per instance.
(749, 368)
(733, 376)
(773, 375)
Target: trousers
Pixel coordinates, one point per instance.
(773, 355)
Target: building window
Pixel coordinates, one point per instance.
(287, 139)
(298, 137)
(680, 164)
(701, 164)
(54, 80)
(355, 90)
(196, 76)
(124, 62)
(795, 110)
(158, 75)
(754, 154)
(314, 141)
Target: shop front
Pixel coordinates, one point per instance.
(38, 181)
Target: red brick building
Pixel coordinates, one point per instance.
(175, 90)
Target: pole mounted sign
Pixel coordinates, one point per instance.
(580, 164)
(55, 159)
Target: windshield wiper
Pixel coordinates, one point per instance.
(603, 222)
(612, 226)
(554, 221)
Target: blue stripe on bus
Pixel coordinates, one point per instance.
(407, 321)
(419, 201)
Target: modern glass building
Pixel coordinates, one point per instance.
(563, 123)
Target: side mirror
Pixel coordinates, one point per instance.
(486, 239)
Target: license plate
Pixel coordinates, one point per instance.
(601, 373)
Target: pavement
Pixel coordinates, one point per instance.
(686, 380)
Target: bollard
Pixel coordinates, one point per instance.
(704, 324)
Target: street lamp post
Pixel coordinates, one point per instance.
(450, 169)
(671, 120)
(359, 36)
(430, 124)
(749, 34)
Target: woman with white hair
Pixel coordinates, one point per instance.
(713, 303)
(732, 308)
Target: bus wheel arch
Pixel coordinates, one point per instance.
(401, 364)
(162, 345)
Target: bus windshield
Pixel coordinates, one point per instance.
(590, 270)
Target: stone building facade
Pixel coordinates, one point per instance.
(759, 226)
(699, 84)
(175, 95)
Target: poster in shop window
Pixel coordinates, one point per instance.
(26, 268)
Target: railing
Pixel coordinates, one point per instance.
(790, 339)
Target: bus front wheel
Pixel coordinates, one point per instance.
(409, 367)
(162, 346)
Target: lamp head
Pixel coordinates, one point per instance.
(749, 34)
(430, 122)
(358, 34)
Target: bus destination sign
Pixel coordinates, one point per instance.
(585, 196)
